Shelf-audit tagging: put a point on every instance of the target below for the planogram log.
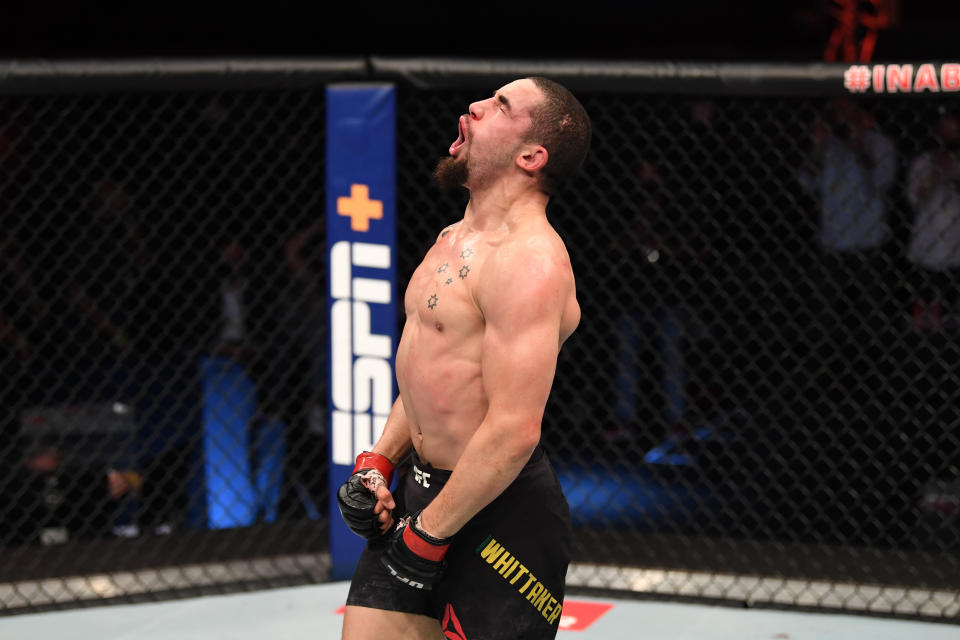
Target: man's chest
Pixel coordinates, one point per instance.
(442, 290)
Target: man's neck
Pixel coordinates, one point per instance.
(501, 207)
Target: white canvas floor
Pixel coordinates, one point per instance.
(311, 612)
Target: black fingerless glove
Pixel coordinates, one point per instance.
(413, 556)
(358, 495)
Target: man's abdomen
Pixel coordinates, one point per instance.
(442, 395)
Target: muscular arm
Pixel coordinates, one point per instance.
(522, 301)
(395, 441)
(394, 444)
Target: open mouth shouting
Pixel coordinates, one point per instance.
(462, 138)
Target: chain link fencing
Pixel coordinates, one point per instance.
(762, 384)
(758, 405)
(162, 331)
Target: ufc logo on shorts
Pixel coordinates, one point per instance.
(423, 479)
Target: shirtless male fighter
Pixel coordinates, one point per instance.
(475, 542)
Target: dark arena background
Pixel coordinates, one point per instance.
(735, 400)
(759, 407)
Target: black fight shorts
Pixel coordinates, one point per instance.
(506, 568)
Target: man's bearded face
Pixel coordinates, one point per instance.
(451, 172)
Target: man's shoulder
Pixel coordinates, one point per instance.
(537, 252)
(448, 229)
(541, 241)
(529, 276)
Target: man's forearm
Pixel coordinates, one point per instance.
(491, 461)
(395, 441)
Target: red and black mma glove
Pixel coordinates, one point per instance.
(358, 495)
(413, 556)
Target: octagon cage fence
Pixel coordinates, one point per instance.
(759, 406)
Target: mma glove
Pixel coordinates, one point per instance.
(358, 495)
(413, 556)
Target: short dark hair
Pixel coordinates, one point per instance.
(562, 126)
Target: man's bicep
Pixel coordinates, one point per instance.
(520, 348)
(518, 371)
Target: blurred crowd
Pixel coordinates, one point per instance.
(787, 268)
(102, 304)
(870, 239)
(800, 271)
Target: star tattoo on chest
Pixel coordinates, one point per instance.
(443, 267)
(466, 253)
(464, 271)
(432, 302)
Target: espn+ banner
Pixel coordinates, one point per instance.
(361, 252)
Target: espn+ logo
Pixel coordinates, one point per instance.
(361, 376)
